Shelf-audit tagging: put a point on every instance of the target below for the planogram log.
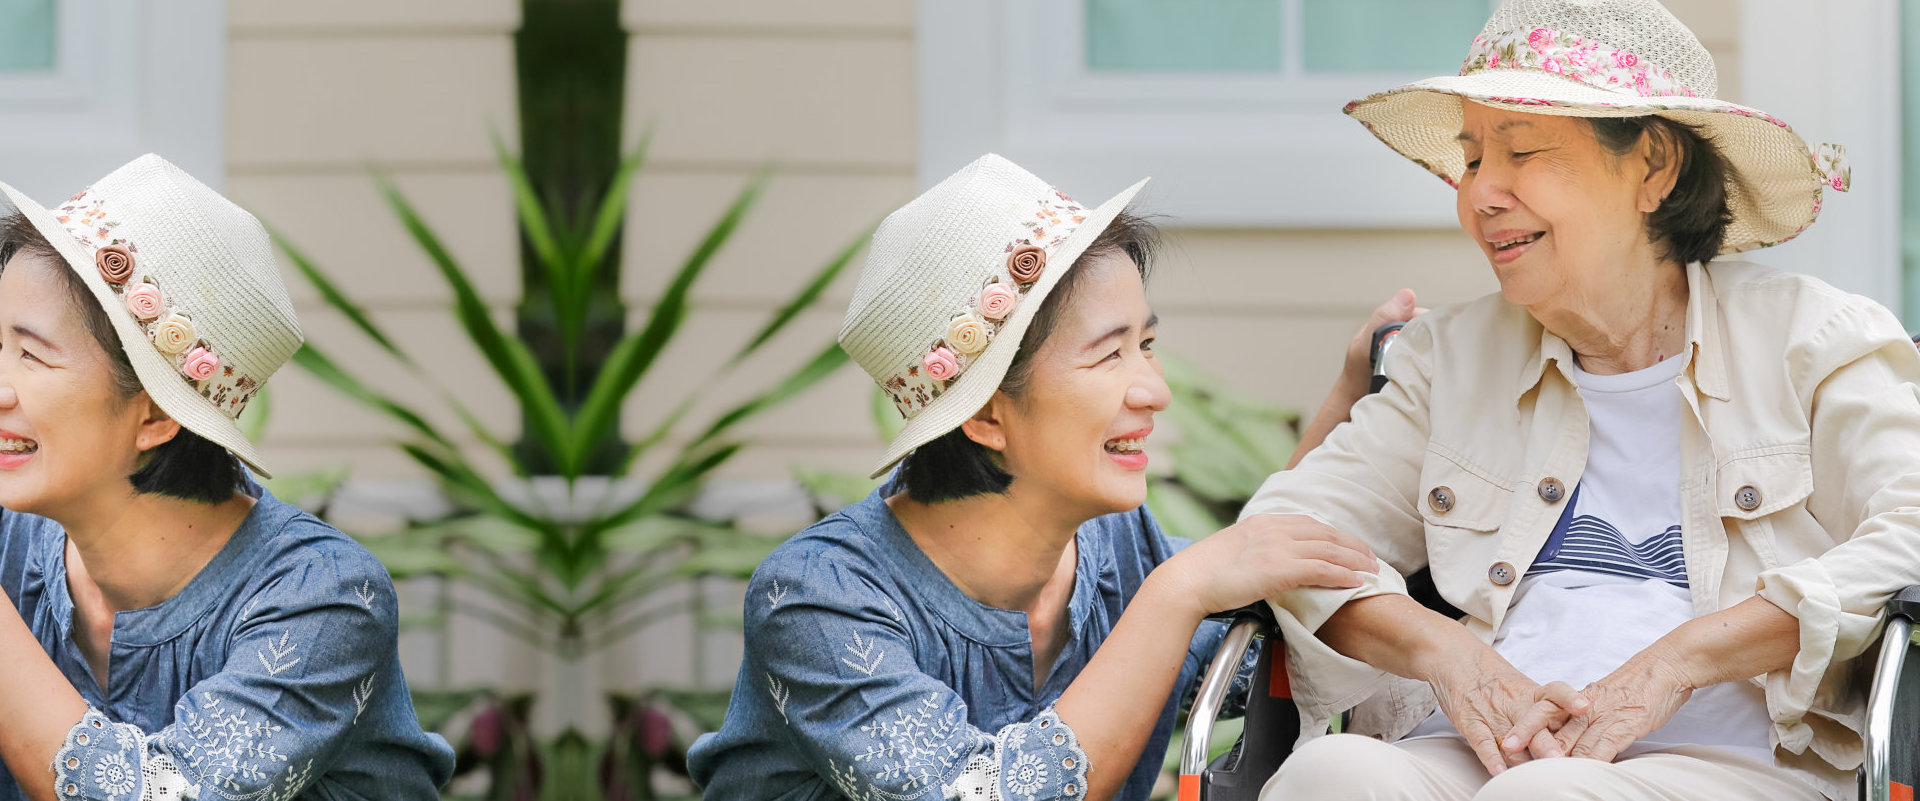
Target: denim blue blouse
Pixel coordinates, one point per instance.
(274, 675)
(870, 676)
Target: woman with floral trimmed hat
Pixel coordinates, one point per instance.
(1002, 618)
(173, 630)
(1683, 484)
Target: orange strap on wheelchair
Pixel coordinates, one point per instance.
(1278, 686)
(1895, 791)
(1190, 787)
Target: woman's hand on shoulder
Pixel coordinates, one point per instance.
(1263, 556)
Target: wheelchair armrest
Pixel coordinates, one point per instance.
(1260, 611)
(1906, 603)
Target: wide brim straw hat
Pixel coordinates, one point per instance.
(190, 283)
(950, 284)
(1613, 58)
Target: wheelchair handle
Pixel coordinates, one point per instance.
(1207, 704)
(1383, 338)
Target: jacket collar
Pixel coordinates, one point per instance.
(1706, 343)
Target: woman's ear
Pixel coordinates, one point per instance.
(156, 428)
(1663, 156)
(985, 427)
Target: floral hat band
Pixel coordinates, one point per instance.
(159, 314)
(1573, 56)
(973, 328)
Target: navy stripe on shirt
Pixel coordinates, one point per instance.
(1593, 545)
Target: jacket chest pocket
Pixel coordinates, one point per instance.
(1752, 492)
(1461, 506)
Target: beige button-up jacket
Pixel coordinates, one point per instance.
(1800, 479)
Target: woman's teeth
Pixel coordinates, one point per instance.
(18, 446)
(1125, 445)
(1514, 243)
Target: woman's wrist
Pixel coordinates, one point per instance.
(1165, 590)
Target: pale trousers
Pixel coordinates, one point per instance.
(1342, 767)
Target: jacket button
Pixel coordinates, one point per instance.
(1551, 490)
(1747, 498)
(1441, 499)
(1501, 573)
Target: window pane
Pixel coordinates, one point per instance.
(1910, 160)
(1184, 35)
(26, 34)
(1428, 37)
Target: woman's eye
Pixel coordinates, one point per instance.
(1146, 345)
(29, 355)
(1473, 164)
(1523, 154)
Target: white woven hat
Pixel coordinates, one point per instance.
(951, 281)
(190, 283)
(1613, 58)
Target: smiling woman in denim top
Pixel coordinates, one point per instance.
(172, 630)
(1002, 619)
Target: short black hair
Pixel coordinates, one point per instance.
(1691, 223)
(952, 466)
(189, 466)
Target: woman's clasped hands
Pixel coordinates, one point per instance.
(1509, 719)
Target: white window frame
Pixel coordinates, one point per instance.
(1226, 149)
(130, 77)
(1833, 73)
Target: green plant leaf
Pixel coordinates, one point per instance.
(526, 202)
(510, 359)
(330, 292)
(301, 488)
(1179, 513)
(634, 355)
(820, 366)
(613, 207)
(838, 489)
(808, 294)
(316, 363)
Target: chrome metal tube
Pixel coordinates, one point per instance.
(1878, 767)
(1213, 695)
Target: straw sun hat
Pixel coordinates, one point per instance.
(1613, 58)
(190, 283)
(951, 281)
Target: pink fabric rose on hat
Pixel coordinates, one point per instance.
(201, 364)
(997, 301)
(941, 364)
(145, 302)
(1540, 40)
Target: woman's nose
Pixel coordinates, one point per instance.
(1149, 390)
(1490, 190)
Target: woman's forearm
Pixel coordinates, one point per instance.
(1114, 703)
(37, 703)
(1396, 634)
(1734, 644)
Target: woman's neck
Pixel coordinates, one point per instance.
(145, 548)
(1001, 549)
(1630, 322)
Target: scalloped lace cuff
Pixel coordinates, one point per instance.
(1037, 761)
(107, 761)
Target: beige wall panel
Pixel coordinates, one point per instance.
(801, 222)
(785, 16)
(1262, 272)
(742, 101)
(308, 411)
(375, 16)
(370, 459)
(341, 222)
(1715, 22)
(342, 102)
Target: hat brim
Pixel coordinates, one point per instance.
(168, 388)
(976, 386)
(1773, 190)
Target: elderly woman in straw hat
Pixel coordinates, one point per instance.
(174, 631)
(1670, 492)
(1002, 619)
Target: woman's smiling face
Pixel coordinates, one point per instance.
(1554, 211)
(66, 434)
(1077, 430)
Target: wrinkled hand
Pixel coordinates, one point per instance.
(1485, 697)
(1628, 704)
(1265, 555)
